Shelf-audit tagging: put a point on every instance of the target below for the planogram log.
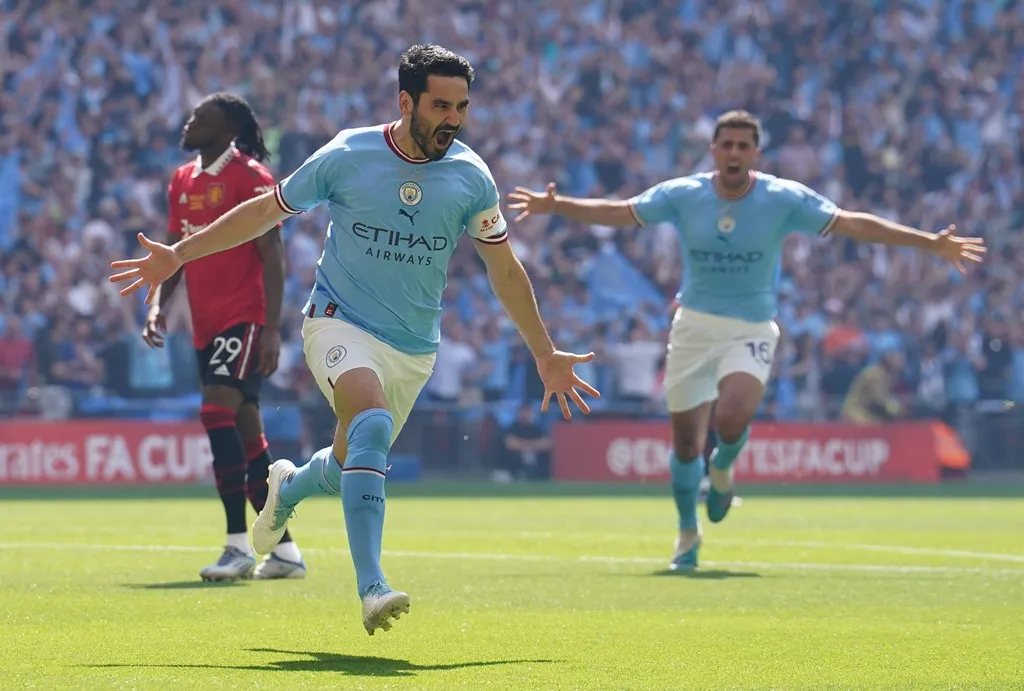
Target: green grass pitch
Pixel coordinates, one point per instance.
(539, 588)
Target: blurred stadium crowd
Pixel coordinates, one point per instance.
(909, 109)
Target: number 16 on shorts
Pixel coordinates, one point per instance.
(761, 351)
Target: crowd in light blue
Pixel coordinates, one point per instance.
(913, 110)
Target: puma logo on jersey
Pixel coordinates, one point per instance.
(183, 199)
(411, 217)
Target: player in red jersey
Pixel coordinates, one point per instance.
(235, 299)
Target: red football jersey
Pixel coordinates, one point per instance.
(226, 288)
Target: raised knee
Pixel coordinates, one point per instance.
(371, 429)
(730, 425)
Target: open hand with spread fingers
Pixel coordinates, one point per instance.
(528, 202)
(156, 267)
(556, 371)
(958, 250)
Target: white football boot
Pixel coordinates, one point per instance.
(380, 605)
(234, 564)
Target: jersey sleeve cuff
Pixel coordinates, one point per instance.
(635, 214)
(827, 230)
(285, 206)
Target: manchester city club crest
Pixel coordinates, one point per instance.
(410, 193)
(726, 224)
(336, 355)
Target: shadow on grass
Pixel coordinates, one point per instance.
(706, 574)
(183, 585)
(352, 665)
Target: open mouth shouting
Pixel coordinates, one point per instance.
(443, 137)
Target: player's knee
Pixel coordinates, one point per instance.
(214, 416)
(730, 423)
(371, 429)
(223, 396)
(688, 449)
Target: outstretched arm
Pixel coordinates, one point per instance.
(243, 223)
(870, 228)
(308, 186)
(512, 286)
(515, 292)
(247, 221)
(605, 212)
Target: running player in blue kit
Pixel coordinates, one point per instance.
(399, 197)
(731, 224)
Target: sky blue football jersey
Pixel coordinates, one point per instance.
(732, 248)
(394, 224)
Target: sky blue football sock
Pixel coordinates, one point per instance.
(322, 475)
(362, 492)
(686, 477)
(725, 455)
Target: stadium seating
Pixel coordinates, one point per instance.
(867, 102)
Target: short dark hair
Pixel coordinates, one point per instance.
(739, 120)
(242, 120)
(421, 61)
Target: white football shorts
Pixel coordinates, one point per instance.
(333, 346)
(703, 349)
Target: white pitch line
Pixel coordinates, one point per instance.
(101, 548)
(549, 558)
(804, 544)
(892, 549)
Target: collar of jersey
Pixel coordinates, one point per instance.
(390, 139)
(217, 167)
(748, 190)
